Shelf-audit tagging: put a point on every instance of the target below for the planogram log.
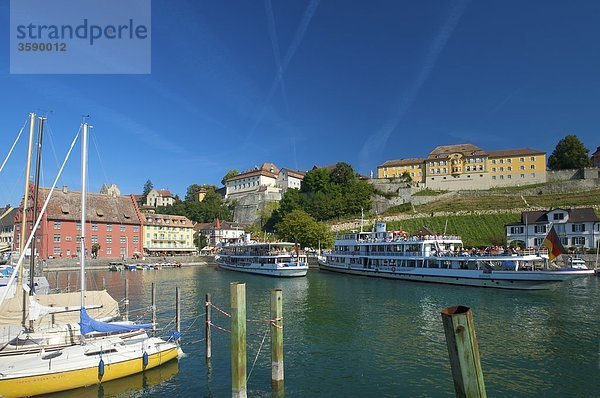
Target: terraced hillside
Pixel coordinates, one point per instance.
(480, 217)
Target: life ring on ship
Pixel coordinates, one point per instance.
(393, 269)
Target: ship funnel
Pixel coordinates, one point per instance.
(380, 227)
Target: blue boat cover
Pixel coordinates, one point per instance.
(89, 325)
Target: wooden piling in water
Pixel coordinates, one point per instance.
(276, 338)
(463, 352)
(126, 301)
(238, 340)
(207, 328)
(153, 309)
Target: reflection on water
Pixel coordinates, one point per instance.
(356, 336)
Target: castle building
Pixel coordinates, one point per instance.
(466, 166)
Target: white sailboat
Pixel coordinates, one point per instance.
(103, 351)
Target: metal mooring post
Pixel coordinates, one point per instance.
(463, 352)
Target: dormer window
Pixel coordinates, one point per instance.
(559, 216)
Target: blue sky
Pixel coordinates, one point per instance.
(303, 83)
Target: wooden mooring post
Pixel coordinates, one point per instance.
(153, 309)
(126, 301)
(463, 352)
(238, 340)
(276, 338)
(207, 328)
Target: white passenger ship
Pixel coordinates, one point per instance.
(440, 259)
(272, 259)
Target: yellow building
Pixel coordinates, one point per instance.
(466, 166)
(396, 168)
(166, 234)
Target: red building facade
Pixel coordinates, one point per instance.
(113, 228)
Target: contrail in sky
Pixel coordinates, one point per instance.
(376, 142)
(300, 32)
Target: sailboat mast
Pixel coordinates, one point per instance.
(24, 213)
(36, 185)
(84, 144)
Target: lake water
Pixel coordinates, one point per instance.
(351, 336)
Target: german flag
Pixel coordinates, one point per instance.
(552, 243)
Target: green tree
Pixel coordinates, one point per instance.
(230, 173)
(343, 174)
(148, 186)
(299, 227)
(569, 153)
(95, 250)
(316, 180)
(193, 189)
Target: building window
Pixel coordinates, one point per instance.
(78, 226)
(122, 228)
(94, 238)
(532, 158)
(517, 230)
(501, 160)
(136, 239)
(538, 241)
(522, 167)
(578, 228)
(493, 161)
(136, 228)
(108, 238)
(522, 175)
(509, 168)
(56, 251)
(493, 169)
(540, 229)
(558, 216)
(564, 241)
(493, 177)
(502, 177)
(122, 251)
(109, 250)
(122, 240)
(108, 227)
(68, 238)
(578, 241)
(56, 239)
(501, 168)
(56, 224)
(508, 160)
(509, 176)
(522, 159)
(94, 227)
(532, 167)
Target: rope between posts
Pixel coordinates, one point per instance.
(220, 310)
(219, 328)
(257, 354)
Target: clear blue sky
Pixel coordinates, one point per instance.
(361, 82)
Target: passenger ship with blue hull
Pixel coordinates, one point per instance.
(440, 259)
(263, 258)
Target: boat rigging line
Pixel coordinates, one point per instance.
(13, 145)
(39, 219)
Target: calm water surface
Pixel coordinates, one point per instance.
(350, 336)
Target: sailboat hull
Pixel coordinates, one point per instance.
(75, 367)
